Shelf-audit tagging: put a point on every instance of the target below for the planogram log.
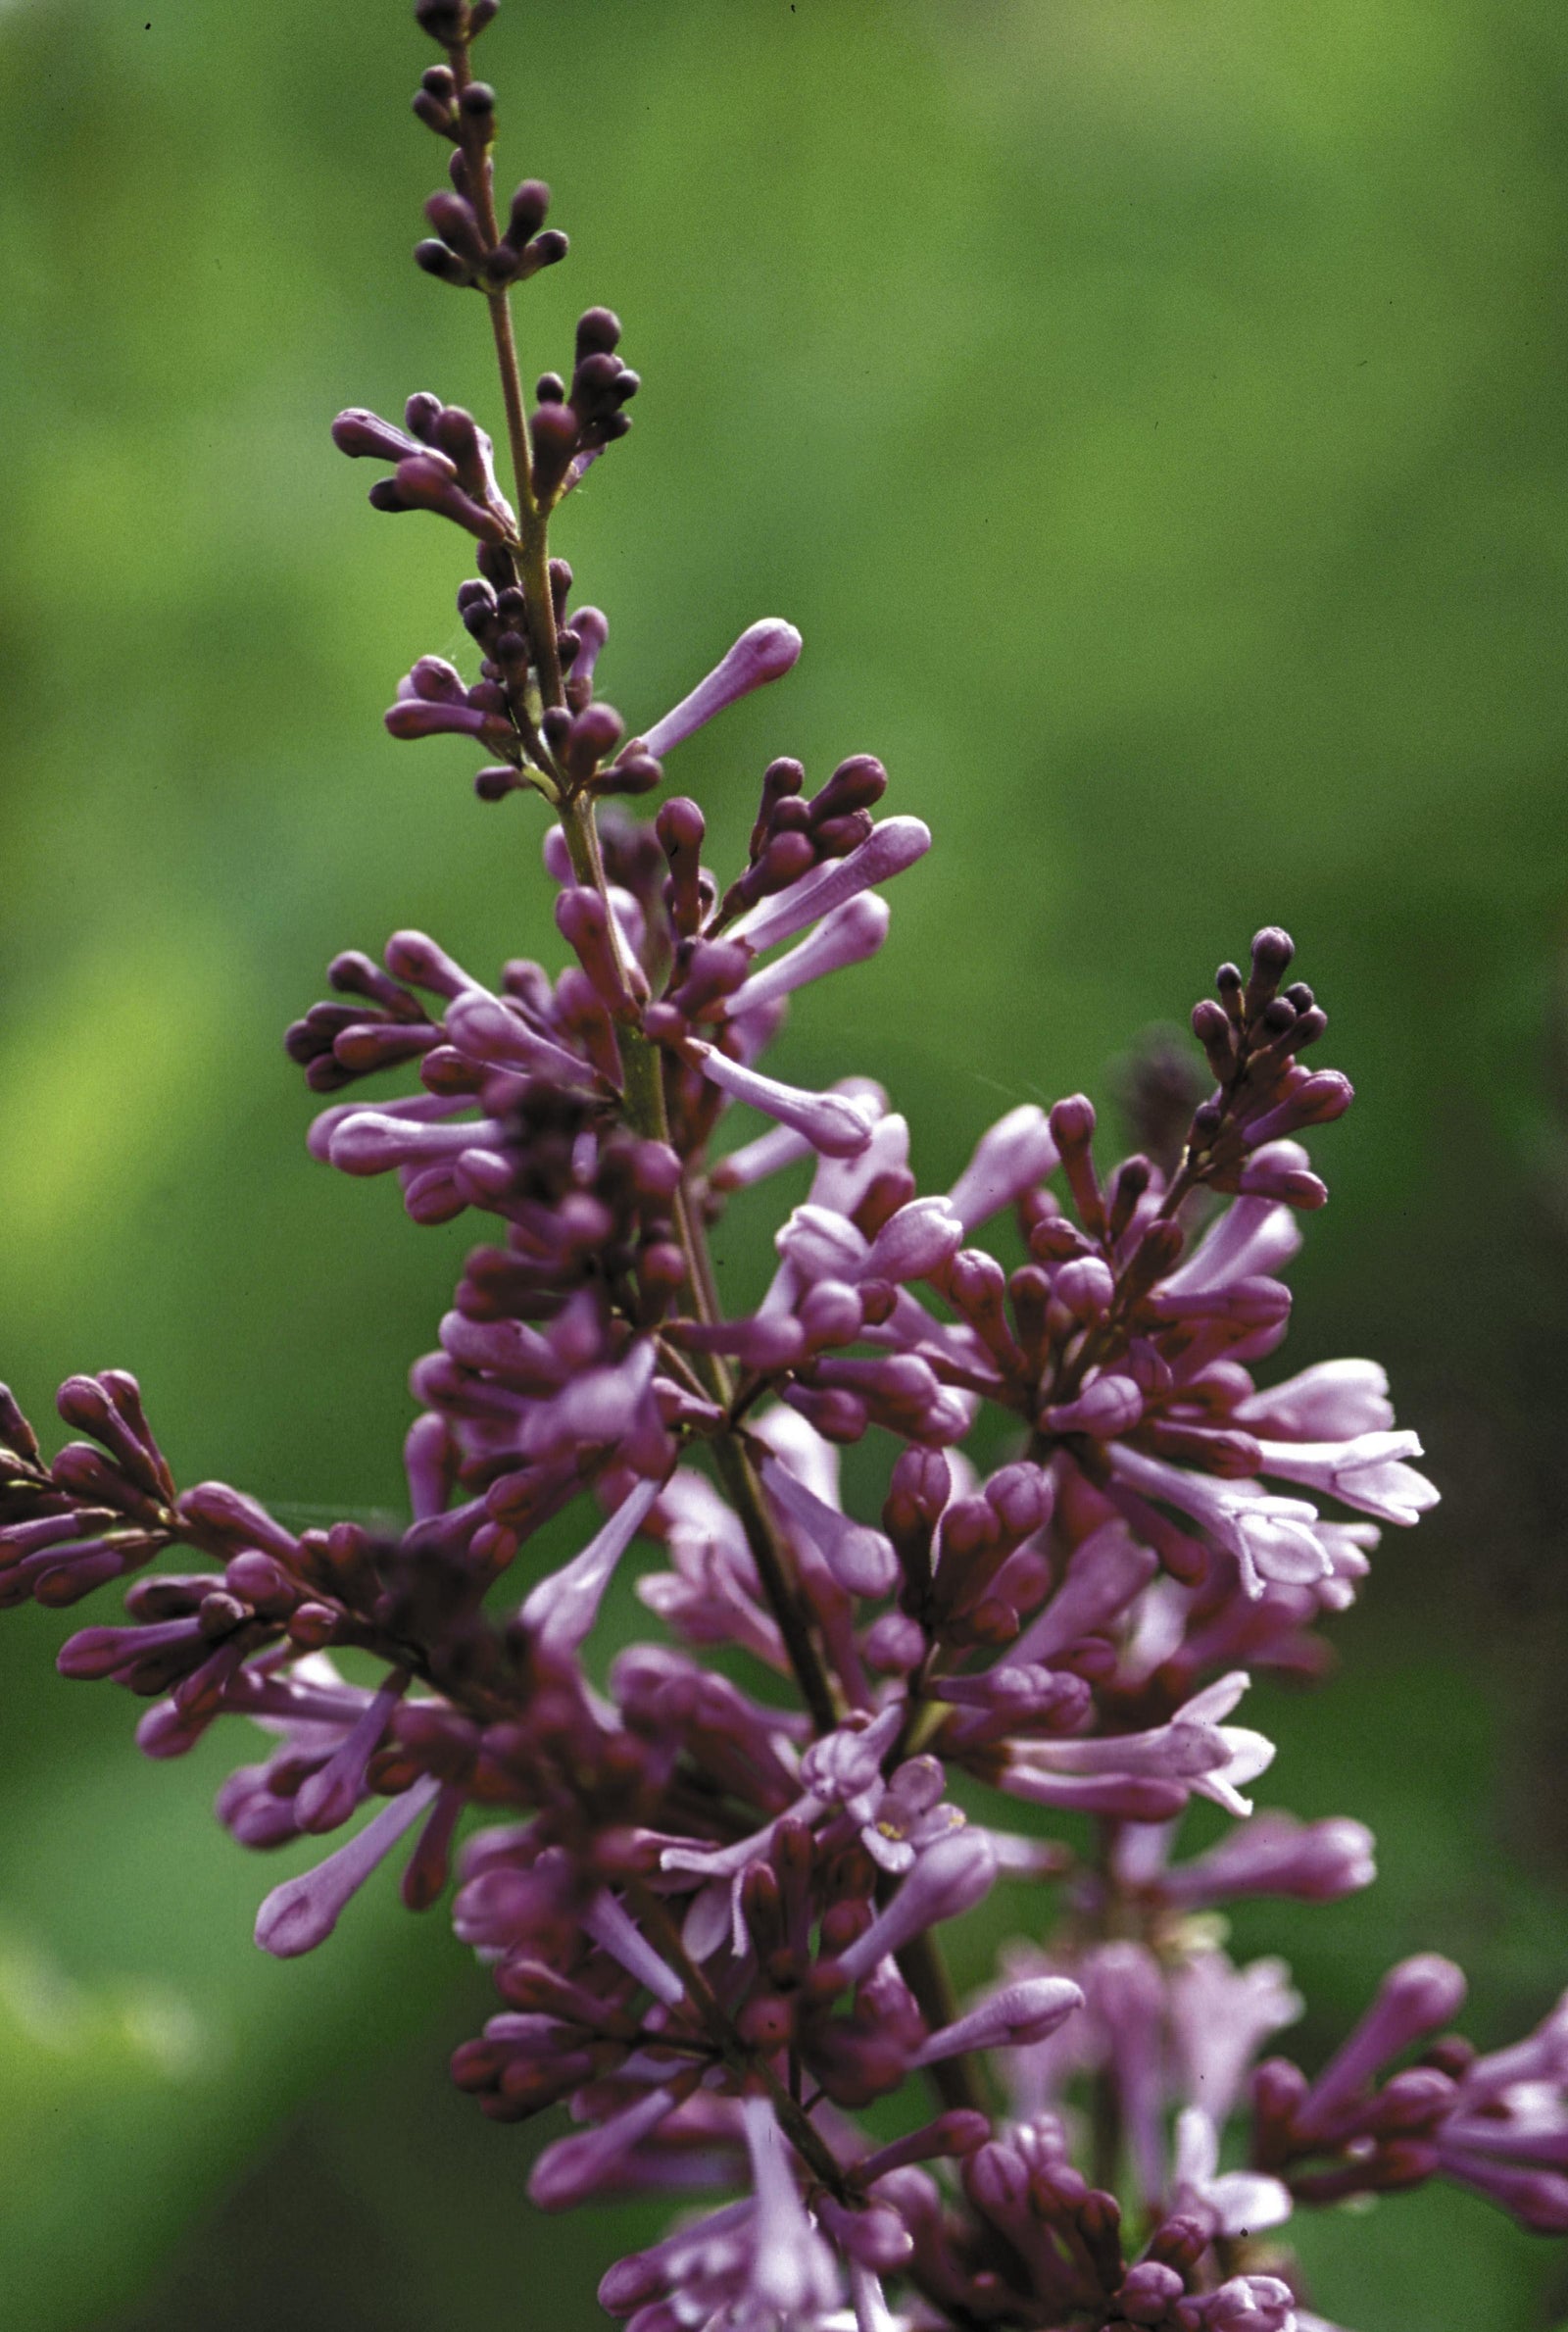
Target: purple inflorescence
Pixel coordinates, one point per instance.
(710, 1889)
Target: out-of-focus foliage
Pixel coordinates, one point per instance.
(1153, 412)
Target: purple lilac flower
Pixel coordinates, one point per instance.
(711, 1891)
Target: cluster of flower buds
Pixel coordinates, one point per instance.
(467, 246)
(710, 1884)
(455, 23)
(1496, 2123)
(460, 251)
(572, 423)
(442, 461)
(1253, 1038)
(101, 1508)
(1042, 2244)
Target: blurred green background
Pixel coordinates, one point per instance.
(1152, 413)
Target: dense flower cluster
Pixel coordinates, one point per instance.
(710, 1894)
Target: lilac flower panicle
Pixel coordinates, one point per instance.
(711, 1884)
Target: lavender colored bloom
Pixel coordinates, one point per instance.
(708, 1876)
(1274, 1539)
(1194, 1752)
(1234, 2204)
(1016, 1153)
(896, 844)
(1017, 2016)
(1414, 1999)
(849, 934)
(1245, 2303)
(1507, 2135)
(577, 2167)
(765, 651)
(560, 1612)
(791, 2270)
(1368, 1473)
(1220, 2017)
(1276, 1855)
(1331, 1402)
(862, 1561)
(832, 1124)
(303, 1912)
(950, 1877)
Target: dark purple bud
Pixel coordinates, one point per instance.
(1413, 2103)
(109, 1407)
(1112, 1405)
(954, 2134)
(440, 259)
(839, 1416)
(430, 481)
(1212, 1028)
(595, 733)
(357, 432)
(1180, 2242)
(836, 837)
(434, 102)
(1073, 1122)
(530, 208)
(87, 1475)
(15, 1434)
(1316, 1100)
(709, 970)
(1072, 1129)
(1159, 1251)
(495, 783)
(1303, 1029)
(831, 1314)
(1085, 1286)
(583, 921)
(263, 1584)
(1272, 950)
(635, 772)
(858, 783)
(477, 106)
(226, 1523)
(554, 432)
(1149, 2294)
(445, 21)
(1278, 2089)
(782, 781)
(1228, 980)
(456, 223)
(597, 333)
(414, 718)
